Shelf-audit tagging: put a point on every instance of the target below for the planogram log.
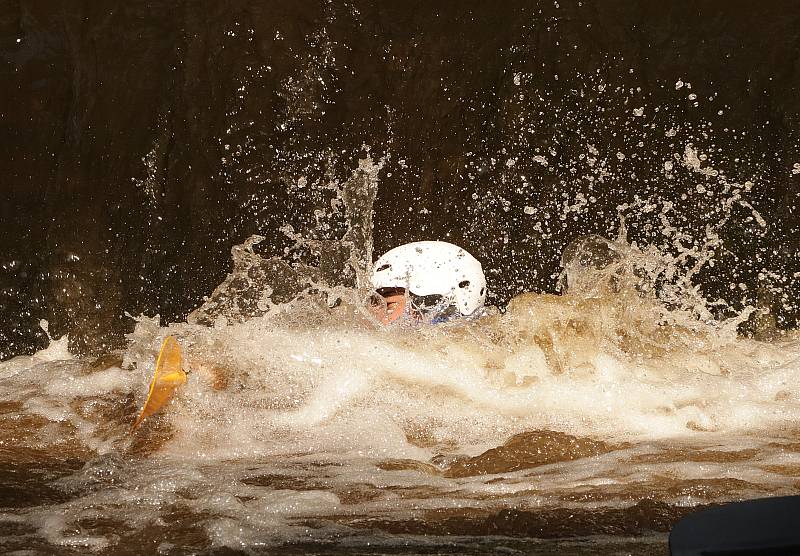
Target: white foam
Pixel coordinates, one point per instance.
(314, 402)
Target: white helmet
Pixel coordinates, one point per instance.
(438, 268)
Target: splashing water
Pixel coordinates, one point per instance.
(612, 409)
(606, 412)
(583, 422)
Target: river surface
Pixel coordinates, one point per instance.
(587, 422)
(627, 174)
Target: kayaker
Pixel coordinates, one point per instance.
(427, 281)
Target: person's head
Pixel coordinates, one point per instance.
(427, 280)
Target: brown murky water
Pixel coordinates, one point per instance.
(534, 431)
(144, 143)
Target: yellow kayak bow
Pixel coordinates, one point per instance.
(169, 375)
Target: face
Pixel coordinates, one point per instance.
(395, 300)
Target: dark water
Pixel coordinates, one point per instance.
(144, 141)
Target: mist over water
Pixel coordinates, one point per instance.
(635, 217)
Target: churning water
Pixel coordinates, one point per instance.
(595, 418)
(587, 421)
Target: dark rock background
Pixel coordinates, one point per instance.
(142, 140)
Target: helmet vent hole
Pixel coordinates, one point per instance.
(463, 284)
(384, 267)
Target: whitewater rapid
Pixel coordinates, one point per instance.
(312, 423)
